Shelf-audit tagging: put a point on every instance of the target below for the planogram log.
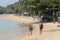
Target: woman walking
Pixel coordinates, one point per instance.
(41, 28)
(30, 28)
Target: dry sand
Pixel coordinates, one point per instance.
(50, 31)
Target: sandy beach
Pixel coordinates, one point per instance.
(50, 31)
(19, 19)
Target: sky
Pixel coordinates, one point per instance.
(4, 3)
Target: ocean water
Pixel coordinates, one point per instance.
(10, 29)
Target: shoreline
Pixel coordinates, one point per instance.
(19, 19)
(50, 30)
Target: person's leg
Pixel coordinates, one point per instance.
(31, 32)
(40, 31)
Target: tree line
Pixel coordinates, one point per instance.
(33, 7)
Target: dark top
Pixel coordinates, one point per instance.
(41, 26)
(30, 27)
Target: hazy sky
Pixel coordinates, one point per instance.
(7, 2)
